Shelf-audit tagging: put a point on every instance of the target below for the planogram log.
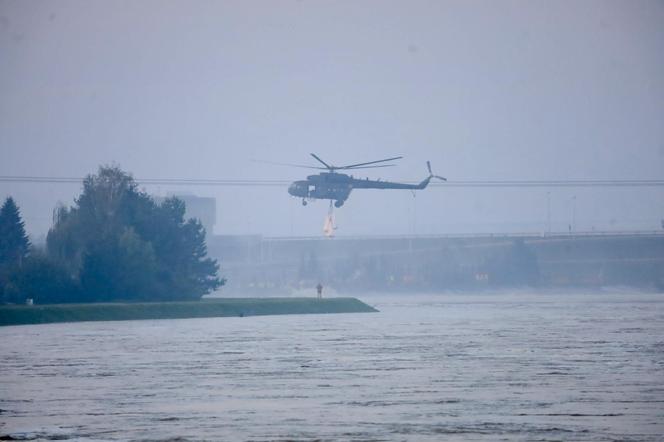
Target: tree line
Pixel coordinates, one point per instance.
(114, 244)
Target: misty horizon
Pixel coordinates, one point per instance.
(485, 91)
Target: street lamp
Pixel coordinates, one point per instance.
(574, 213)
(548, 212)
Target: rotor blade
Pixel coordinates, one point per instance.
(370, 162)
(324, 163)
(365, 167)
(288, 164)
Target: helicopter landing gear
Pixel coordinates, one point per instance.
(338, 203)
(304, 202)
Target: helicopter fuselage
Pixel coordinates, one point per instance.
(337, 186)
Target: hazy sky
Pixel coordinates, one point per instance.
(483, 89)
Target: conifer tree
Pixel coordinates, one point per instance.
(14, 243)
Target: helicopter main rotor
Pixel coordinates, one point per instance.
(332, 168)
(366, 165)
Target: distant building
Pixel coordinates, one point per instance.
(199, 207)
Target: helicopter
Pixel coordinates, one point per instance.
(335, 186)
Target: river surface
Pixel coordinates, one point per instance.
(447, 367)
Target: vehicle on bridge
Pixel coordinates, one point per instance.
(334, 186)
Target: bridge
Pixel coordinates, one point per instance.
(441, 262)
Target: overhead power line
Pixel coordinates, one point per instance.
(281, 183)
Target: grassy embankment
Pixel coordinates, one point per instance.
(207, 308)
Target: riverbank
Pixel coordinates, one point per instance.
(206, 308)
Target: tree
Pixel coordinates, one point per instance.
(43, 280)
(180, 246)
(14, 243)
(119, 268)
(124, 246)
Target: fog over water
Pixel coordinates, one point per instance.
(508, 90)
(512, 366)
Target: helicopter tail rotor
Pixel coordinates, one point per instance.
(431, 175)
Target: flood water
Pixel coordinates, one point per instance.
(448, 367)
